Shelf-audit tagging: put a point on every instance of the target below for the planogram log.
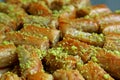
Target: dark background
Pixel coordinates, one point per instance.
(112, 4)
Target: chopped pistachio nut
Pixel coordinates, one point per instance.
(94, 49)
(42, 21)
(84, 50)
(41, 53)
(94, 59)
(25, 61)
(96, 37)
(100, 37)
(108, 51)
(79, 64)
(67, 8)
(116, 52)
(56, 13)
(87, 17)
(117, 40)
(5, 19)
(57, 52)
(24, 33)
(34, 35)
(7, 42)
(106, 76)
(73, 47)
(45, 37)
(11, 8)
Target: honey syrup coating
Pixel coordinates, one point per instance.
(58, 37)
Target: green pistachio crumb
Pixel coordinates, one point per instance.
(6, 42)
(94, 59)
(106, 76)
(117, 52)
(73, 47)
